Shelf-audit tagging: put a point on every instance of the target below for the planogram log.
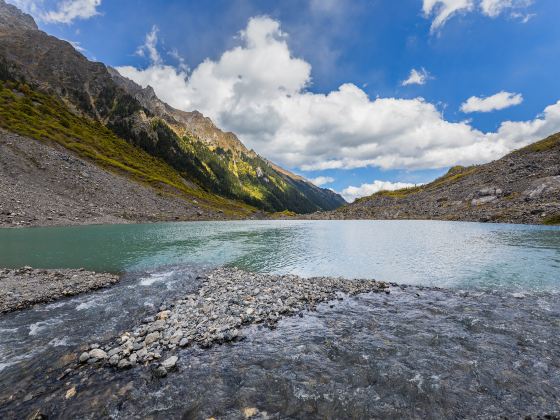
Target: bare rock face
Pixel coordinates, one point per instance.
(12, 17)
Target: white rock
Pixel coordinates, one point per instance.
(170, 362)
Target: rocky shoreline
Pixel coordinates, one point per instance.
(24, 287)
(228, 299)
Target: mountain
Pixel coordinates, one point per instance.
(36, 65)
(521, 187)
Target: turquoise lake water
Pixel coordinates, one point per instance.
(434, 253)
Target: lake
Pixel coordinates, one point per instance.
(432, 253)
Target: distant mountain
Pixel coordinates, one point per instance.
(521, 187)
(203, 155)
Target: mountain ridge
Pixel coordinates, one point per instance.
(214, 160)
(521, 187)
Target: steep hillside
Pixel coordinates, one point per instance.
(202, 155)
(45, 184)
(521, 187)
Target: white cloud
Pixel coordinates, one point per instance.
(322, 180)
(417, 77)
(65, 11)
(259, 91)
(69, 10)
(150, 47)
(495, 102)
(494, 8)
(443, 10)
(351, 193)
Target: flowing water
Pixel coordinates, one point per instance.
(469, 349)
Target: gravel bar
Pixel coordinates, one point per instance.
(227, 300)
(24, 287)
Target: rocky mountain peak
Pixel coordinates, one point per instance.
(13, 18)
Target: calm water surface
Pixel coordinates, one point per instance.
(446, 254)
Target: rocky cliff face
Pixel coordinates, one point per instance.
(201, 153)
(521, 187)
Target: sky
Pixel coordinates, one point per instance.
(355, 95)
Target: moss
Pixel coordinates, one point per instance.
(44, 118)
(552, 220)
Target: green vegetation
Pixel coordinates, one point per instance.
(283, 214)
(552, 220)
(154, 154)
(33, 114)
(453, 175)
(543, 145)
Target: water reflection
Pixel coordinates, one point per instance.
(447, 254)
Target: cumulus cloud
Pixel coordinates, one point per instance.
(495, 102)
(351, 193)
(322, 180)
(258, 90)
(417, 77)
(440, 11)
(65, 11)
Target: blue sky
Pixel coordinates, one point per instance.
(343, 112)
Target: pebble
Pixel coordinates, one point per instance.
(97, 354)
(170, 362)
(227, 300)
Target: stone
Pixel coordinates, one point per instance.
(114, 360)
(249, 412)
(151, 338)
(97, 354)
(124, 364)
(114, 351)
(84, 357)
(70, 393)
(170, 362)
(142, 353)
(160, 372)
(157, 325)
(163, 315)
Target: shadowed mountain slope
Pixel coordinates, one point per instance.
(202, 155)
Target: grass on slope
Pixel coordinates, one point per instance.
(543, 145)
(33, 114)
(453, 175)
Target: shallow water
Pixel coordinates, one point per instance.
(444, 254)
(416, 353)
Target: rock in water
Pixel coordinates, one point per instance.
(170, 362)
(97, 354)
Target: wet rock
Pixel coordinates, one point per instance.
(97, 354)
(227, 300)
(124, 364)
(25, 287)
(170, 363)
(84, 357)
(160, 372)
(71, 393)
